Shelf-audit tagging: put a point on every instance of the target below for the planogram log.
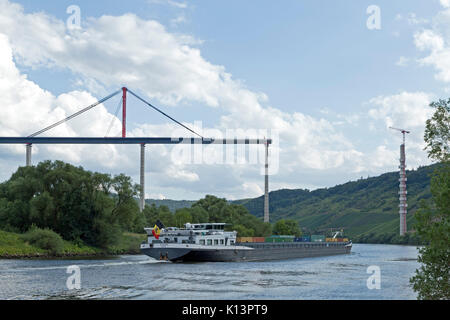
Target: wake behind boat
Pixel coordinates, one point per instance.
(210, 242)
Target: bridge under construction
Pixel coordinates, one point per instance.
(142, 141)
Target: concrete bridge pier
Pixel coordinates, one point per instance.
(266, 186)
(28, 154)
(142, 195)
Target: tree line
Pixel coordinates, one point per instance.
(214, 209)
(96, 208)
(79, 205)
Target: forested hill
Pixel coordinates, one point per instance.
(363, 207)
(173, 205)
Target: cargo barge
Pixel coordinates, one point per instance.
(209, 242)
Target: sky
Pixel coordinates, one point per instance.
(324, 79)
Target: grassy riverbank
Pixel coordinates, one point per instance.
(12, 245)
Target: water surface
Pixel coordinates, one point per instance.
(140, 277)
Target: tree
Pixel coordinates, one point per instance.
(199, 215)
(73, 202)
(182, 216)
(242, 231)
(437, 131)
(210, 209)
(432, 280)
(151, 214)
(125, 206)
(287, 227)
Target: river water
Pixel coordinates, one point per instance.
(140, 277)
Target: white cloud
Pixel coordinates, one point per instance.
(411, 18)
(435, 42)
(433, 39)
(178, 20)
(406, 109)
(127, 50)
(445, 3)
(402, 62)
(428, 40)
(28, 108)
(383, 157)
(176, 173)
(157, 196)
(414, 20)
(177, 4)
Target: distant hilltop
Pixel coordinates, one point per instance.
(173, 205)
(368, 206)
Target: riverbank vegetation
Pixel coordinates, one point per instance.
(80, 206)
(410, 238)
(58, 209)
(432, 279)
(16, 245)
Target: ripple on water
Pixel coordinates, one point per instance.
(287, 272)
(138, 277)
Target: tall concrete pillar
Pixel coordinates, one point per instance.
(142, 195)
(266, 186)
(28, 154)
(402, 192)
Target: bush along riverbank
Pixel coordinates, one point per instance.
(45, 243)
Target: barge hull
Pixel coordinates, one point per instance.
(253, 252)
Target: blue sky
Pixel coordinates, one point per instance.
(310, 69)
(303, 54)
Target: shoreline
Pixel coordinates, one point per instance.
(107, 254)
(39, 255)
(12, 246)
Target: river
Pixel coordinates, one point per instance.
(139, 277)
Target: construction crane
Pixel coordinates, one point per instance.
(403, 131)
(402, 192)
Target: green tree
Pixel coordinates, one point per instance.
(242, 231)
(166, 216)
(437, 131)
(263, 229)
(432, 280)
(199, 215)
(45, 239)
(287, 227)
(151, 214)
(210, 209)
(73, 202)
(125, 206)
(182, 216)
(162, 213)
